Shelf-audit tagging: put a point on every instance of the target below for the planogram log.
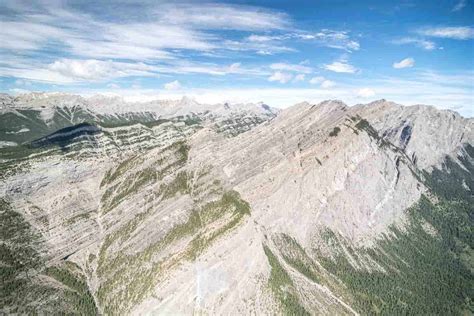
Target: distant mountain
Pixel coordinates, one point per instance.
(111, 207)
(34, 115)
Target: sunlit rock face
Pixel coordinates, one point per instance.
(177, 207)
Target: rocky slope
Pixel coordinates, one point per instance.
(110, 207)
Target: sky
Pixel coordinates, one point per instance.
(277, 52)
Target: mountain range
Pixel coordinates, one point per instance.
(175, 207)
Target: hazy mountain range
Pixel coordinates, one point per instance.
(176, 207)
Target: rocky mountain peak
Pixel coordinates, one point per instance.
(188, 101)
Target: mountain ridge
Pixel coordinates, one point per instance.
(184, 100)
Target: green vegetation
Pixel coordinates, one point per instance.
(335, 131)
(12, 167)
(282, 286)
(192, 120)
(17, 256)
(12, 122)
(78, 217)
(76, 294)
(237, 125)
(452, 181)
(364, 125)
(424, 269)
(175, 155)
(423, 272)
(296, 257)
(231, 207)
(178, 185)
(146, 120)
(34, 125)
(183, 149)
(112, 174)
(67, 136)
(21, 289)
(121, 122)
(116, 194)
(130, 277)
(21, 153)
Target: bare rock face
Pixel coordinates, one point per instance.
(425, 133)
(178, 207)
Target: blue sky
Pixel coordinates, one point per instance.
(279, 52)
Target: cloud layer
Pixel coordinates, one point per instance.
(459, 32)
(173, 47)
(66, 45)
(404, 63)
(341, 66)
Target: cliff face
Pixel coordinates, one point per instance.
(183, 208)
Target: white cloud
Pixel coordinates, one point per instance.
(115, 49)
(365, 93)
(83, 69)
(262, 38)
(25, 35)
(94, 48)
(464, 79)
(291, 67)
(341, 66)
(322, 82)
(234, 68)
(331, 38)
(69, 71)
(459, 6)
(40, 74)
(113, 86)
(425, 44)
(92, 69)
(103, 40)
(173, 85)
(211, 69)
(173, 26)
(222, 16)
(16, 91)
(325, 37)
(21, 82)
(405, 63)
(264, 52)
(327, 84)
(459, 33)
(298, 78)
(280, 77)
(260, 47)
(158, 36)
(316, 80)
